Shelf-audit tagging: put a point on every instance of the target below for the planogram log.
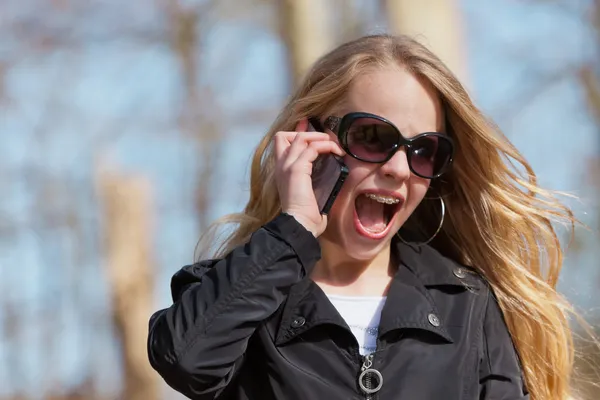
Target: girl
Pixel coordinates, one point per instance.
(432, 277)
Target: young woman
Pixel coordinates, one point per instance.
(432, 277)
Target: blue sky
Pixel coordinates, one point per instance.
(512, 47)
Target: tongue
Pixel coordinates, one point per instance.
(370, 214)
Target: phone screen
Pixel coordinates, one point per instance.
(328, 175)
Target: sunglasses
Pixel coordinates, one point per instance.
(374, 139)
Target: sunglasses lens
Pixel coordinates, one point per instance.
(430, 155)
(371, 140)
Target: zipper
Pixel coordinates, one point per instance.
(370, 380)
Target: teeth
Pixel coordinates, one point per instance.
(382, 199)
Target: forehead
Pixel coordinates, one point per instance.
(411, 103)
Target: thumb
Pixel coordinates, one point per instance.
(302, 125)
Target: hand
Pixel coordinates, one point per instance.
(294, 154)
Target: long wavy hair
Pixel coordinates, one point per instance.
(498, 219)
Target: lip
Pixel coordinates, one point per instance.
(378, 236)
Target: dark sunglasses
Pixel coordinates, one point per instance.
(374, 139)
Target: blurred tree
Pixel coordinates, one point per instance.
(435, 23)
(128, 236)
(588, 74)
(305, 27)
(51, 183)
(200, 114)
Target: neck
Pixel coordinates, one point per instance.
(337, 269)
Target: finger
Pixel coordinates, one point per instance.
(309, 136)
(330, 146)
(337, 149)
(310, 154)
(287, 136)
(301, 142)
(282, 143)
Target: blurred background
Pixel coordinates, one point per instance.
(127, 126)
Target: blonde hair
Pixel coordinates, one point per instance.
(498, 220)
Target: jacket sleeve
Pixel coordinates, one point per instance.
(500, 376)
(198, 343)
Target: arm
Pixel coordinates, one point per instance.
(197, 344)
(500, 376)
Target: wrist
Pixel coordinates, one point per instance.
(304, 222)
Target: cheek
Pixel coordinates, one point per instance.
(358, 173)
(417, 189)
(344, 202)
(354, 165)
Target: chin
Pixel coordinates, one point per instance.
(357, 252)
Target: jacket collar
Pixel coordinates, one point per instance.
(434, 269)
(409, 304)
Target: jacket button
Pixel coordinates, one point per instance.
(433, 320)
(460, 273)
(298, 322)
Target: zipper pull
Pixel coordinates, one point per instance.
(370, 380)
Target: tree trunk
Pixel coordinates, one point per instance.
(127, 239)
(305, 30)
(436, 24)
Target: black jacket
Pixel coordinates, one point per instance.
(253, 326)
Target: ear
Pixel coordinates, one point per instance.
(302, 125)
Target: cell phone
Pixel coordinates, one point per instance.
(328, 175)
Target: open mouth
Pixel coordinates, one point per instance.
(374, 213)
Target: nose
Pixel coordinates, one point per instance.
(396, 167)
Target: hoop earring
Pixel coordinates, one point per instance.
(439, 228)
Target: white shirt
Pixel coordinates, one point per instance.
(362, 314)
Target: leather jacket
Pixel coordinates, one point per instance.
(254, 326)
